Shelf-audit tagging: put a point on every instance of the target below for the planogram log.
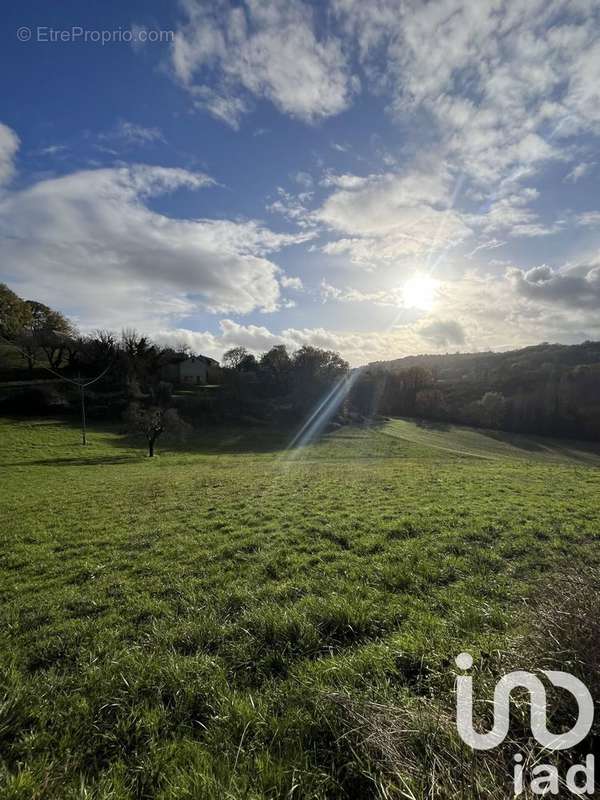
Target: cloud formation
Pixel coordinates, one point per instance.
(226, 54)
(488, 95)
(393, 215)
(579, 170)
(442, 332)
(9, 144)
(89, 241)
(575, 287)
(133, 134)
(504, 82)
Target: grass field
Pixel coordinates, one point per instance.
(174, 627)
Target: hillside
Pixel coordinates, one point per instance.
(544, 355)
(548, 389)
(490, 444)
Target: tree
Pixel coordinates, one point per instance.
(100, 348)
(48, 330)
(408, 384)
(143, 360)
(248, 363)
(15, 314)
(234, 358)
(45, 319)
(367, 392)
(431, 403)
(276, 366)
(321, 364)
(314, 373)
(28, 346)
(152, 421)
(493, 405)
(55, 347)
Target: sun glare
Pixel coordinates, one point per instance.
(419, 292)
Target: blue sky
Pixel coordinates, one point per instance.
(378, 178)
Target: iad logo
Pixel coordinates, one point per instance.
(545, 776)
(537, 694)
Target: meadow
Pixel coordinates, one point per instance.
(179, 628)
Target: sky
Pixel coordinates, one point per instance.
(380, 178)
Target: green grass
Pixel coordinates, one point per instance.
(490, 444)
(171, 627)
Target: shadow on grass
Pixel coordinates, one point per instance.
(224, 440)
(522, 443)
(343, 444)
(105, 436)
(75, 462)
(583, 452)
(540, 447)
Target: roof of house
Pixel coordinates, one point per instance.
(180, 358)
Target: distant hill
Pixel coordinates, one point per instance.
(534, 357)
(551, 389)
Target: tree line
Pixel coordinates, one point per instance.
(41, 351)
(546, 389)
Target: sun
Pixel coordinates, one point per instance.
(419, 292)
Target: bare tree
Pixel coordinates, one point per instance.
(153, 421)
(28, 346)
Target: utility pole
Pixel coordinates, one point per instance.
(80, 383)
(83, 426)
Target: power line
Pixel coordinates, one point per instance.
(81, 385)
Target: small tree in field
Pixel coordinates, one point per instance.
(152, 421)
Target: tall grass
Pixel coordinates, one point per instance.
(416, 745)
(176, 627)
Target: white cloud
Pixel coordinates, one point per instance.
(345, 181)
(263, 50)
(304, 179)
(491, 244)
(583, 96)
(256, 338)
(9, 144)
(222, 104)
(380, 297)
(289, 282)
(573, 287)
(392, 216)
(511, 215)
(357, 347)
(374, 206)
(579, 170)
(442, 332)
(89, 244)
(293, 207)
(501, 82)
(134, 134)
(588, 219)
(471, 314)
(53, 150)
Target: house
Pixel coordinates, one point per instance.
(189, 369)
